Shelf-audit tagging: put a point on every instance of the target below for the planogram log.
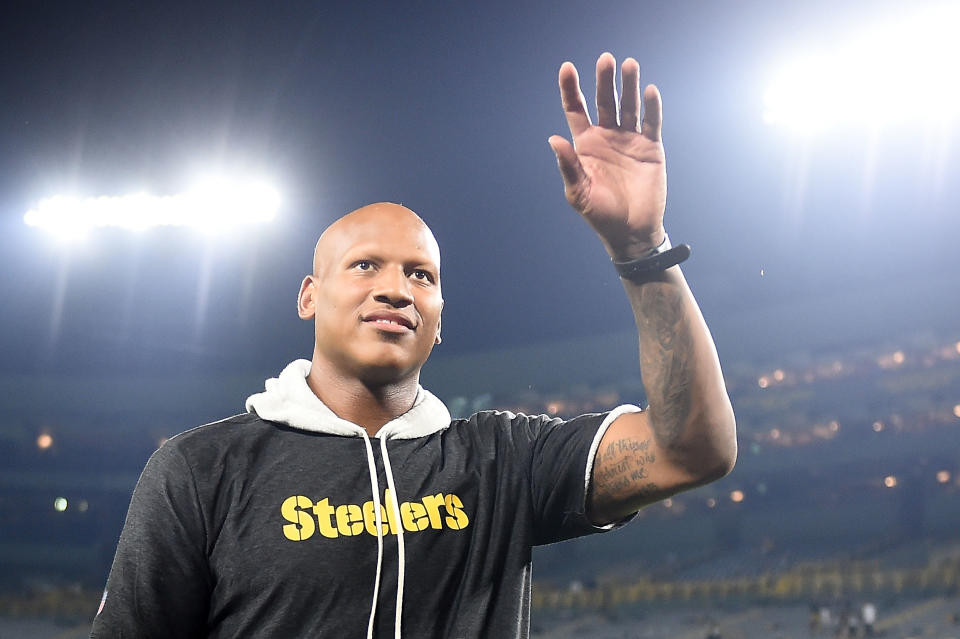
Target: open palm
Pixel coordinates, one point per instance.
(614, 173)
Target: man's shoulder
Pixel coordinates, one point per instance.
(511, 424)
(212, 437)
(496, 417)
(235, 425)
(499, 423)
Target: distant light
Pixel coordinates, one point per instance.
(736, 496)
(711, 503)
(161, 442)
(668, 502)
(778, 375)
(763, 382)
(44, 441)
(956, 347)
(852, 83)
(60, 504)
(943, 476)
(774, 433)
(890, 481)
(877, 426)
(213, 205)
(891, 360)
(826, 431)
(83, 506)
(956, 410)
(761, 273)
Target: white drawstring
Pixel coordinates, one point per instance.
(394, 506)
(375, 489)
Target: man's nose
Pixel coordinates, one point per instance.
(393, 288)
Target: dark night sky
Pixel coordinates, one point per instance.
(445, 107)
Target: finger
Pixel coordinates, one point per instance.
(652, 113)
(606, 91)
(570, 168)
(574, 104)
(630, 100)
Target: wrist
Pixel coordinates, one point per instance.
(654, 261)
(636, 246)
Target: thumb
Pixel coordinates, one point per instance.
(569, 164)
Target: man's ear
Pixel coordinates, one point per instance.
(306, 300)
(439, 326)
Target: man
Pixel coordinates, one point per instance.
(346, 503)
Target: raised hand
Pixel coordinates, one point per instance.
(614, 173)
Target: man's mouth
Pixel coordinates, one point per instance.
(389, 322)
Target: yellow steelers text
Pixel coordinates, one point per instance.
(330, 520)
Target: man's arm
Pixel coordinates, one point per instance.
(159, 584)
(615, 177)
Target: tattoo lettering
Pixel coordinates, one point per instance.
(637, 475)
(621, 468)
(623, 446)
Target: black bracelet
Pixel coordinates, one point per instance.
(658, 259)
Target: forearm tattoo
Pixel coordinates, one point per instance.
(624, 467)
(666, 354)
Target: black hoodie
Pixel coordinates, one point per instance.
(266, 524)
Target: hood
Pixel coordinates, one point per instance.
(289, 400)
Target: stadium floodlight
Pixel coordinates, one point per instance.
(902, 72)
(213, 205)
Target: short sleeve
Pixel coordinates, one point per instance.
(561, 464)
(159, 584)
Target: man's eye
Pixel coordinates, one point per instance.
(422, 275)
(364, 265)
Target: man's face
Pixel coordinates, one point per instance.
(375, 295)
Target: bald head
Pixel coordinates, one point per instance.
(374, 296)
(378, 220)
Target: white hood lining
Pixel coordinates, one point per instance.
(289, 400)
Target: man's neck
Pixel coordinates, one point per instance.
(368, 406)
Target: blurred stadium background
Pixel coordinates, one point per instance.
(846, 491)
